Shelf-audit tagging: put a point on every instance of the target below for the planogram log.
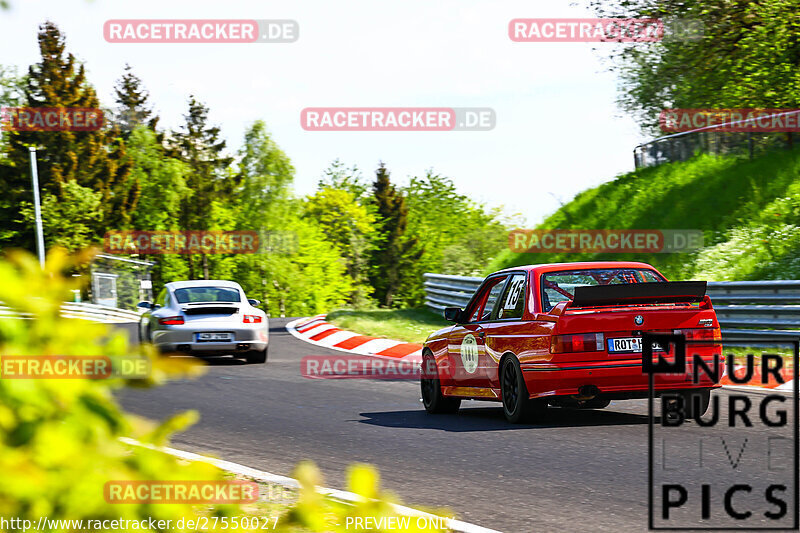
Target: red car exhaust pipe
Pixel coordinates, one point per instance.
(587, 392)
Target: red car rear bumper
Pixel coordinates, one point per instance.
(611, 378)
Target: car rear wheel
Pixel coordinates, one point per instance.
(430, 387)
(694, 408)
(691, 411)
(255, 357)
(595, 403)
(517, 406)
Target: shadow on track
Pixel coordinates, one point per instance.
(492, 419)
(214, 360)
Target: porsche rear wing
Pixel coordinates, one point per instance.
(660, 292)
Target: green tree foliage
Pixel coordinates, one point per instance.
(163, 185)
(350, 227)
(297, 271)
(747, 56)
(162, 181)
(342, 244)
(750, 215)
(67, 220)
(306, 278)
(316, 513)
(133, 106)
(60, 437)
(398, 251)
(12, 87)
(265, 177)
(97, 159)
(339, 176)
(457, 235)
(200, 146)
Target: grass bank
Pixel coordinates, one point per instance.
(408, 325)
(748, 210)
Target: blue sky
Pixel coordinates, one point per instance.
(558, 129)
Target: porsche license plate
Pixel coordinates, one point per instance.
(206, 337)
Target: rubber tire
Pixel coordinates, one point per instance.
(705, 400)
(517, 406)
(433, 400)
(595, 403)
(257, 357)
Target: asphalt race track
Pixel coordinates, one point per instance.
(581, 470)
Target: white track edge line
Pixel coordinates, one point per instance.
(348, 497)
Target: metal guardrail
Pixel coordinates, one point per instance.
(713, 140)
(745, 309)
(84, 311)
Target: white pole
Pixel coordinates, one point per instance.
(37, 207)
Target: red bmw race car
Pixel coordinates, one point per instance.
(570, 335)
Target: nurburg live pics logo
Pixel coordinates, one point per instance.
(735, 467)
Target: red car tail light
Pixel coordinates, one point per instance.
(585, 342)
(171, 321)
(251, 319)
(700, 334)
(706, 303)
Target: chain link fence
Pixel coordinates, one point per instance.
(685, 145)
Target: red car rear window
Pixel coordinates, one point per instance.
(560, 286)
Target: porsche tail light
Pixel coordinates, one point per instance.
(700, 334)
(171, 321)
(584, 342)
(251, 319)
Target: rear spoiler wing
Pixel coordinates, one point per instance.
(660, 292)
(203, 305)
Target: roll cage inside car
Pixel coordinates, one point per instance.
(602, 276)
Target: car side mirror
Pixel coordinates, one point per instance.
(145, 305)
(452, 314)
(254, 302)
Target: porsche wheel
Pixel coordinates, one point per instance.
(430, 387)
(255, 357)
(517, 406)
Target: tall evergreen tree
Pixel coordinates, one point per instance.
(95, 160)
(133, 105)
(209, 179)
(397, 249)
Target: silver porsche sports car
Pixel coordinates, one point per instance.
(206, 317)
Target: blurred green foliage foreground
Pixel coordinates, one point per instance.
(60, 437)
